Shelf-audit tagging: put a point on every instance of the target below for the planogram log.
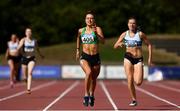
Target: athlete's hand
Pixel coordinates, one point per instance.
(116, 45)
(150, 63)
(94, 28)
(121, 44)
(77, 55)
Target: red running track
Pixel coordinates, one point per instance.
(109, 94)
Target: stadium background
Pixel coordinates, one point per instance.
(55, 24)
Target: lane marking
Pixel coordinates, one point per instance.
(154, 96)
(61, 95)
(108, 95)
(23, 92)
(164, 86)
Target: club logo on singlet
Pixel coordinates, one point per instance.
(29, 46)
(132, 41)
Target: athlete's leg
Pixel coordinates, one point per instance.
(24, 72)
(11, 66)
(31, 65)
(95, 73)
(16, 68)
(87, 69)
(129, 73)
(138, 73)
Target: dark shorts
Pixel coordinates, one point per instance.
(133, 60)
(91, 59)
(15, 59)
(25, 60)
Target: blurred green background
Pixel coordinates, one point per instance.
(55, 24)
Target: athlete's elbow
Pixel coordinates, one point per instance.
(115, 46)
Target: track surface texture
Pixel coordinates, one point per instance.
(109, 95)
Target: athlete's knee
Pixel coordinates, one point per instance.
(88, 73)
(130, 79)
(138, 82)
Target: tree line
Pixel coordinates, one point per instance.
(57, 21)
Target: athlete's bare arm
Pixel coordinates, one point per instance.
(38, 50)
(20, 44)
(100, 34)
(7, 53)
(78, 44)
(147, 42)
(119, 42)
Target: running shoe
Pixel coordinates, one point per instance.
(133, 103)
(28, 91)
(91, 101)
(86, 101)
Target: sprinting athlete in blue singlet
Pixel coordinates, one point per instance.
(29, 46)
(133, 59)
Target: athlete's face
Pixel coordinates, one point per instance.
(13, 38)
(90, 21)
(132, 24)
(28, 32)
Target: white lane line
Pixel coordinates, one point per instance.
(165, 87)
(108, 95)
(61, 95)
(154, 96)
(23, 92)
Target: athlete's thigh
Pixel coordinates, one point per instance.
(31, 65)
(128, 67)
(138, 72)
(11, 63)
(24, 69)
(85, 66)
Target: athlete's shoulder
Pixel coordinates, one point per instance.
(141, 34)
(9, 42)
(81, 30)
(98, 28)
(22, 39)
(123, 34)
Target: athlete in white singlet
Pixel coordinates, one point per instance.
(133, 58)
(29, 46)
(13, 58)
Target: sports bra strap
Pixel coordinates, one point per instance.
(83, 31)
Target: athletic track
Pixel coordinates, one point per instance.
(110, 95)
